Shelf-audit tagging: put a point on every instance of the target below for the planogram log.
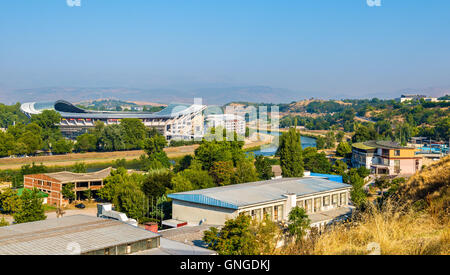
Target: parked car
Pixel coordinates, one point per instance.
(80, 205)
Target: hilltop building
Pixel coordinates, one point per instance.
(324, 200)
(386, 157)
(404, 98)
(230, 122)
(52, 183)
(174, 122)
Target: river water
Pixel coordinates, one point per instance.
(271, 150)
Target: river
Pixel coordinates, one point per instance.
(271, 150)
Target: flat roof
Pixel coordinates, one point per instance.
(331, 215)
(68, 177)
(241, 195)
(373, 144)
(57, 236)
(361, 145)
(169, 247)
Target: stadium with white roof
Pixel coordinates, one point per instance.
(177, 121)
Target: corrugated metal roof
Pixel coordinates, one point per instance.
(245, 194)
(55, 236)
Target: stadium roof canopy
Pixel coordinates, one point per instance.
(67, 109)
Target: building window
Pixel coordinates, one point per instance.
(317, 204)
(334, 199)
(152, 243)
(308, 205)
(326, 201)
(300, 204)
(397, 153)
(278, 213)
(267, 211)
(108, 251)
(343, 199)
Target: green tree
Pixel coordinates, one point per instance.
(344, 150)
(63, 146)
(7, 144)
(290, 152)
(316, 162)
(133, 133)
(79, 167)
(320, 143)
(9, 201)
(183, 164)
(339, 167)
(363, 133)
(246, 171)
(210, 152)
(199, 179)
(88, 194)
(48, 120)
(235, 237)
(298, 223)
(180, 184)
(68, 191)
(339, 136)
(223, 172)
(86, 143)
(27, 169)
(382, 183)
(110, 138)
(131, 200)
(357, 193)
(31, 208)
(155, 145)
(157, 182)
(330, 140)
(3, 222)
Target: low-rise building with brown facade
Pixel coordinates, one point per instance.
(52, 183)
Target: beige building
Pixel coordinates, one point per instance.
(324, 201)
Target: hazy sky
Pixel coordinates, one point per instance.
(332, 46)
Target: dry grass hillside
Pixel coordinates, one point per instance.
(414, 223)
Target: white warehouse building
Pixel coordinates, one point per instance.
(324, 200)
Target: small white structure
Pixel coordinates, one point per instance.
(230, 122)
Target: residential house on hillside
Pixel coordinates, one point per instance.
(386, 157)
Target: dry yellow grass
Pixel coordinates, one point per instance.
(416, 222)
(396, 231)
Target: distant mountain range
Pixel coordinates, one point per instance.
(210, 95)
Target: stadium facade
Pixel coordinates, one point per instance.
(176, 121)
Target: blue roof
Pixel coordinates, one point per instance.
(335, 178)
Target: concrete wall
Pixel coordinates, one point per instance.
(193, 213)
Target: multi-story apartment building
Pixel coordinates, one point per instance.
(230, 122)
(386, 157)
